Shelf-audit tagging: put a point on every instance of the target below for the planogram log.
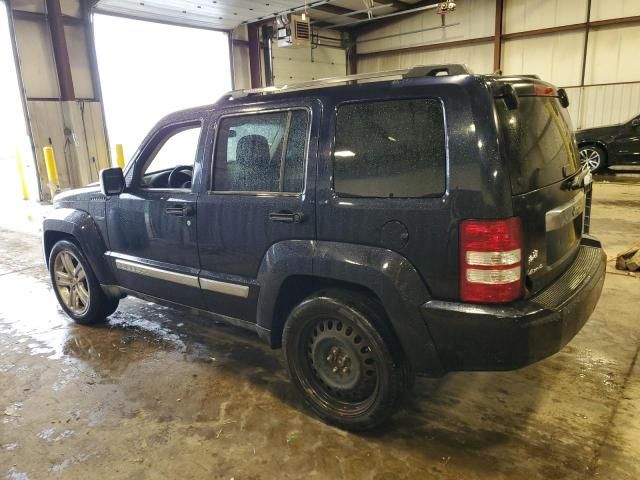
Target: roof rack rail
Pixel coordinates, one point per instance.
(437, 70)
(415, 72)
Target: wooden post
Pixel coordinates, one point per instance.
(254, 56)
(60, 52)
(497, 38)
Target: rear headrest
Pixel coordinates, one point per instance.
(253, 149)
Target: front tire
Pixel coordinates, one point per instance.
(594, 157)
(345, 360)
(76, 287)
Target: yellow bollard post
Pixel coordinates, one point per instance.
(120, 155)
(23, 180)
(52, 171)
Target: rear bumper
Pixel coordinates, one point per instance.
(506, 337)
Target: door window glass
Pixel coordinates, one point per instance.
(250, 150)
(390, 149)
(177, 149)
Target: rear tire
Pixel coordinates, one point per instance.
(76, 287)
(345, 360)
(594, 157)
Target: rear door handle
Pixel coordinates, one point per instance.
(287, 216)
(180, 210)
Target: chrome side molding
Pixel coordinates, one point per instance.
(225, 288)
(194, 281)
(159, 273)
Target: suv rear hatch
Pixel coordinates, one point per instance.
(539, 147)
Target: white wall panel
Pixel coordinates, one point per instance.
(71, 8)
(613, 54)
(479, 58)
(79, 160)
(36, 59)
(600, 105)
(475, 19)
(575, 102)
(523, 15)
(79, 61)
(556, 58)
(29, 5)
(90, 146)
(47, 123)
(240, 60)
(292, 65)
(604, 9)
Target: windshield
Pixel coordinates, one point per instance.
(538, 143)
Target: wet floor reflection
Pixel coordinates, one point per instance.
(168, 392)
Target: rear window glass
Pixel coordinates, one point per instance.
(539, 143)
(390, 149)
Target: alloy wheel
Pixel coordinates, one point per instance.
(591, 157)
(71, 282)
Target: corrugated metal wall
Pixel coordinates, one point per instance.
(556, 56)
(523, 15)
(593, 106)
(291, 65)
(472, 19)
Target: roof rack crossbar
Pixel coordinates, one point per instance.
(415, 72)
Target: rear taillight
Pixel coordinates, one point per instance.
(490, 260)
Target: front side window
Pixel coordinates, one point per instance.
(390, 149)
(261, 152)
(170, 164)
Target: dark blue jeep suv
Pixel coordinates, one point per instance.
(421, 222)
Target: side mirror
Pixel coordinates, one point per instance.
(112, 181)
(635, 122)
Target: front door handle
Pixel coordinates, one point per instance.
(287, 216)
(180, 210)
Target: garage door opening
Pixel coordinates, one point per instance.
(16, 159)
(148, 70)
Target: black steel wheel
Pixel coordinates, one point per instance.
(76, 287)
(345, 360)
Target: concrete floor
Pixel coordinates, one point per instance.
(159, 393)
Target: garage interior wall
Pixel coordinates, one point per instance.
(241, 75)
(293, 65)
(74, 126)
(538, 37)
(290, 64)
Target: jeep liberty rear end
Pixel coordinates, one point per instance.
(538, 265)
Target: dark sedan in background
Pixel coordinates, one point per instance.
(612, 146)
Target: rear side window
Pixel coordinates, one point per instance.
(538, 143)
(390, 149)
(261, 152)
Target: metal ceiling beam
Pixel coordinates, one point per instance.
(398, 5)
(428, 46)
(339, 11)
(383, 21)
(392, 15)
